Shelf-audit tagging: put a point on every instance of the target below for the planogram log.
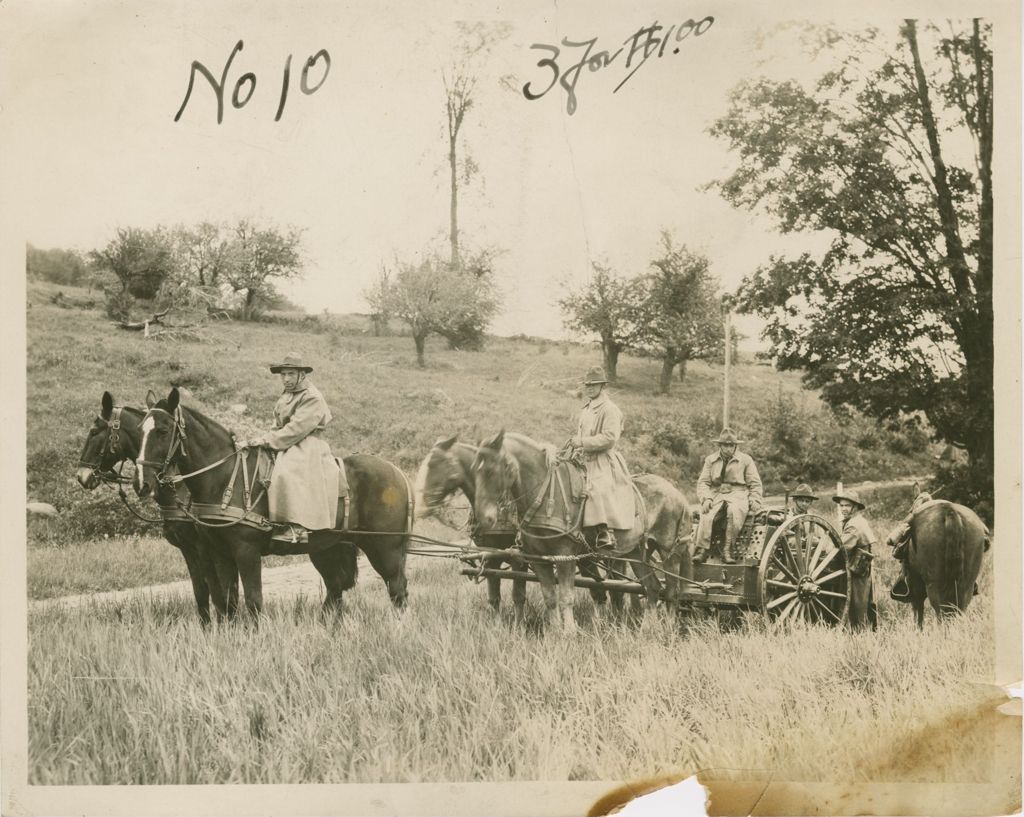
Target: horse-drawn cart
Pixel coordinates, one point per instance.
(788, 568)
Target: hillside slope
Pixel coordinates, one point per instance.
(384, 404)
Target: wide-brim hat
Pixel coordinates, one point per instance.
(595, 374)
(803, 491)
(850, 496)
(291, 361)
(727, 437)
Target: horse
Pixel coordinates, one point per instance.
(446, 469)
(947, 542)
(512, 468)
(205, 454)
(115, 437)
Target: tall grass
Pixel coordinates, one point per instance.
(137, 692)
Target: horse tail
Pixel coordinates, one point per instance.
(954, 596)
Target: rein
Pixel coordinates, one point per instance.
(178, 440)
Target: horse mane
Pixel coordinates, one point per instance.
(546, 448)
(209, 424)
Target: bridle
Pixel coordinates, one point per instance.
(178, 439)
(111, 446)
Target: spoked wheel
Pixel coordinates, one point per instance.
(803, 573)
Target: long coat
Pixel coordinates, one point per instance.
(858, 540)
(304, 486)
(609, 489)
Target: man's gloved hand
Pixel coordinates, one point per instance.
(705, 506)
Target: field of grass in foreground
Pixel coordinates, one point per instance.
(137, 692)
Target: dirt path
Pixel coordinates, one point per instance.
(286, 581)
(301, 578)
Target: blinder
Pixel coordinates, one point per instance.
(111, 445)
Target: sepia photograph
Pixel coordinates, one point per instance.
(460, 408)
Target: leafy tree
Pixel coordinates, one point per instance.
(679, 317)
(140, 261)
(608, 306)
(896, 317)
(260, 257)
(434, 297)
(56, 265)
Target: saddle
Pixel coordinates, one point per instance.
(562, 499)
(559, 503)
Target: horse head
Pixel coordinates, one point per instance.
(495, 480)
(160, 431)
(112, 438)
(440, 475)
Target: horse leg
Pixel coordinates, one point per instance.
(546, 573)
(200, 588)
(389, 562)
(493, 582)
(221, 575)
(336, 564)
(566, 594)
(918, 594)
(183, 538)
(250, 570)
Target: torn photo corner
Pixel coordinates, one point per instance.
(627, 407)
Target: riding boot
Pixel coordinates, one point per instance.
(728, 538)
(604, 542)
(900, 590)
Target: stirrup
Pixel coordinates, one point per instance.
(291, 534)
(900, 591)
(604, 542)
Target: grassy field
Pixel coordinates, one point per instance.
(136, 692)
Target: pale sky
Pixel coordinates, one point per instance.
(361, 163)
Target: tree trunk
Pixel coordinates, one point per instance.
(249, 307)
(668, 363)
(454, 204)
(421, 344)
(610, 352)
(682, 370)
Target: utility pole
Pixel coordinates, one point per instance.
(727, 308)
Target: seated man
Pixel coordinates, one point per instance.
(304, 487)
(803, 497)
(899, 541)
(610, 503)
(729, 484)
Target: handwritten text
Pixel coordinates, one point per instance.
(245, 85)
(638, 48)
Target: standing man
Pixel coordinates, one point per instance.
(728, 484)
(304, 485)
(610, 504)
(858, 539)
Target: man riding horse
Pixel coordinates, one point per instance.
(305, 484)
(728, 484)
(610, 504)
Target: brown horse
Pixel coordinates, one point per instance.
(114, 438)
(946, 546)
(446, 470)
(204, 452)
(512, 468)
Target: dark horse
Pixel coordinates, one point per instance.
(114, 438)
(946, 545)
(204, 451)
(513, 468)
